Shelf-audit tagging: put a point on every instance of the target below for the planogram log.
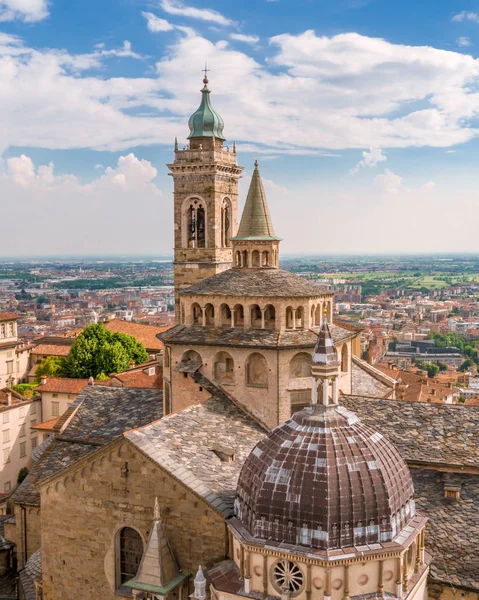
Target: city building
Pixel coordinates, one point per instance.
(14, 354)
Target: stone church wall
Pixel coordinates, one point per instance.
(83, 511)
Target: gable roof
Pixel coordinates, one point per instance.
(184, 445)
(63, 385)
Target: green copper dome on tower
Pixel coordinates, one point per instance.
(205, 121)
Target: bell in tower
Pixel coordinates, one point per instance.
(205, 175)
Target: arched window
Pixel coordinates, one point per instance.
(238, 316)
(300, 365)
(129, 554)
(269, 317)
(196, 314)
(3, 330)
(289, 318)
(256, 320)
(256, 371)
(300, 318)
(195, 225)
(265, 258)
(255, 258)
(209, 315)
(238, 258)
(225, 315)
(224, 368)
(226, 223)
(344, 359)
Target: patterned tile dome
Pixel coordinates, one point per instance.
(325, 480)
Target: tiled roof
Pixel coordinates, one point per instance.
(274, 283)
(16, 398)
(424, 433)
(135, 379)
(63, 385)
(184, 445)
(31, 573)
(102, 414)
(364, 383)
(51, 349)
(46, 425)
(452, 534)
(5, 316)
(318, 476)
(145, 334)
(259, 338)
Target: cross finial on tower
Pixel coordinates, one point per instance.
(206, 71)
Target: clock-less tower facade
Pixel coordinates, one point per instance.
(206, 176)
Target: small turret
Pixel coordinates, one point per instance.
(200, 586)
(256, 246)
(325, 368)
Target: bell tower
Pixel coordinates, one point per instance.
(205, 175)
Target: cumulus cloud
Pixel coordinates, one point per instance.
(28, 11)
(155, 24)
(173, 7)
(329, 93)
(247, 39)
(387, 183)
(370, 159)
(466, 16)
(463, 41)
(94, 217)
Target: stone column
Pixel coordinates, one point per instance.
(293, 310)
(327, 586)
(335, 390)
(404, 575)
(233, 317)
(308, 582)
(325, 392)
(265, 576)
(423, 537)
(263, 324)
(314, 392)
(346, 582)
(381, 578)
(399, 577)
(247, 572)
(203, 316)
(418, 553)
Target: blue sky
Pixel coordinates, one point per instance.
(363, 115)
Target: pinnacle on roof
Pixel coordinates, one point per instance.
(205, 121)
(256, 222)
(324, 353)
(158, 567)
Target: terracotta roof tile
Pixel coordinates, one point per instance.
(46, 425)
(145, 334)
(52, 349)
(63, 385)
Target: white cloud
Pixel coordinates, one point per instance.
(29, 11)
(466, 16)
(428, 186)
(370, 159)
(247, 39)
(463, 41)
(174, 7)
(155, 24)
(387, 183)
(86, 218)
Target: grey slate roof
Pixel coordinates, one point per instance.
(183, 444)
(274, 283)
(31, 573)
(250, 338)
(435, 433)
(103, 415)
(452, 534)
(364, 384)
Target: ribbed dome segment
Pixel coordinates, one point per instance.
(205, 121)
(256, 222)
(324, 479)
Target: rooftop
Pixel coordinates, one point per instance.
(51, 349)
(63, 385)
(270, 283)
(145, 334)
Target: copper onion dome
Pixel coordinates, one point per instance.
(325, 480)
(205, 121)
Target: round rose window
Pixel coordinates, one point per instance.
(287, 577)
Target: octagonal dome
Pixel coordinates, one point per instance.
(325, 480)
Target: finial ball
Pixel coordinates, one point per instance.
(256, 163)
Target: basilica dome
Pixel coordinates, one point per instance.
(325, 480)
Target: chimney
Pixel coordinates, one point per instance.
(433, 391)
(9, 398)
(43, 380)
(91, 381)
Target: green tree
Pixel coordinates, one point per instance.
(432, 370)
(466, 365)
(22, 474)
(97, 351)
(442, 366)
(52, 366)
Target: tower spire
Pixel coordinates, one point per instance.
(256, 244)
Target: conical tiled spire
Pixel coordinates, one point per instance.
(158, 566)
(205, 121)
(256, 222)
(324, 353)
